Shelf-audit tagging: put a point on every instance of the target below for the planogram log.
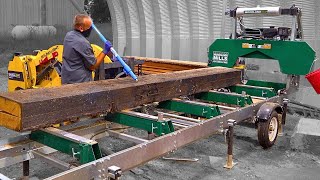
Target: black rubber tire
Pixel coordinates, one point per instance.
(263, 131)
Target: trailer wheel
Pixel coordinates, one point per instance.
(268, 131)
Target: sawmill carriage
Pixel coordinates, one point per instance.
(176, 102)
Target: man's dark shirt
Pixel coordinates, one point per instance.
(78, 57)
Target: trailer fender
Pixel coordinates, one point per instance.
(266, 110)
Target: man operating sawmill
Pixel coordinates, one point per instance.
(78, 57)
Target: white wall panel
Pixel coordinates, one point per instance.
(147, 28)
(183, 29)
(272, 21)
(119, 26)
(317, 30)
(249, 22)
(132, 27)
(163, 33)
(199, 29)
(309, 21)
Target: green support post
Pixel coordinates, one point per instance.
(226, 98)
(254, 91)
(85, 152)
(142, 121)
(188, 108)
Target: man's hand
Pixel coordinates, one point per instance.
(107, 47)
(102, 55)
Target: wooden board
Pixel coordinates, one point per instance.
(37, 108)
(156, 65)
(169, 63)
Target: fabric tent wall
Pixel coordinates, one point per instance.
(184, 29)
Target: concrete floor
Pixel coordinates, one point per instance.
(3, 79)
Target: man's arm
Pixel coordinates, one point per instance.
(102, 55)
(89, 60)
(100, 59)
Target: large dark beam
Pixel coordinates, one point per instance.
(37, 108)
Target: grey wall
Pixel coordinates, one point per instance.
(30, 12)
(176, 29)
(183, 29)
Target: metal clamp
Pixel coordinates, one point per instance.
(204, 111)
(286, 101)
(239, 101)
(232, 122)
(243, 93)
(114, 173)
(74, 153)
(263, 93)
(160, 116)
(153, 128)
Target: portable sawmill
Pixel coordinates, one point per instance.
(176, 102)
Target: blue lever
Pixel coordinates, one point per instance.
(126, 68)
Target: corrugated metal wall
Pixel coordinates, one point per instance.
(28, 12)
(183, 29)
(61, 12)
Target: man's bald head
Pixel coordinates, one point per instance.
(82, 22)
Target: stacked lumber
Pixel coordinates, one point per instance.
(157, 66)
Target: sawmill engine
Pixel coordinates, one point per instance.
(275, 33)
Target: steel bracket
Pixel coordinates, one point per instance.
(226, 98)
(267, 84)
(142, 121)
(189, 107)
(265, 92)
(114, 173)
(83, 149)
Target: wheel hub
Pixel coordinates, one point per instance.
(273, 129)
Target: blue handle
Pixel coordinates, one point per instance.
(126, 68)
